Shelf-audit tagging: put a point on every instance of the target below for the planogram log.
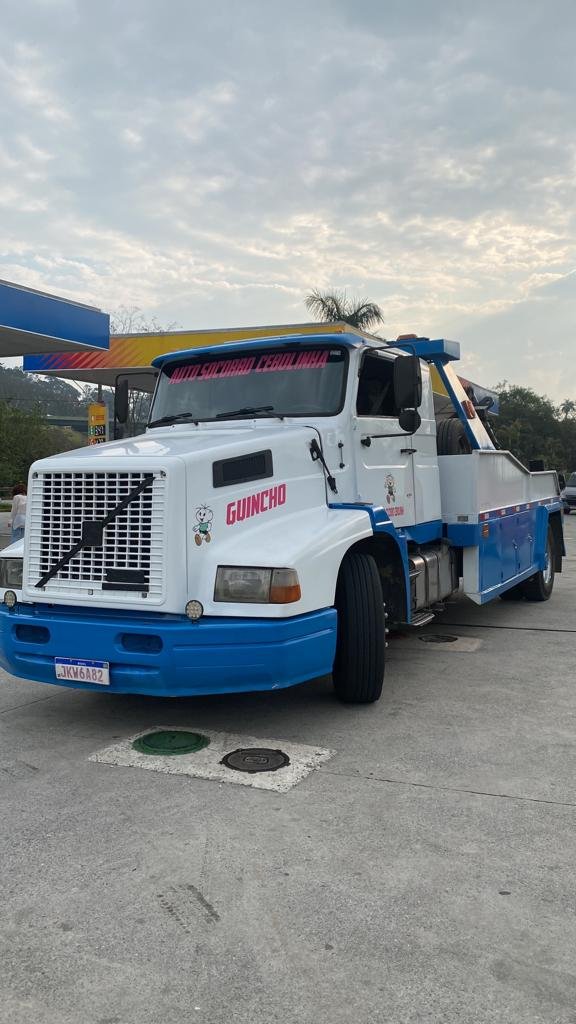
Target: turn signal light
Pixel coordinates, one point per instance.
(285, 587)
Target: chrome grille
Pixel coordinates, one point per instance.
(132, 543)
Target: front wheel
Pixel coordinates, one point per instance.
(358, 672)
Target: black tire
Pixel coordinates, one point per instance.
(567, 511)
(451, 438)
(540, 586)
(358, 672)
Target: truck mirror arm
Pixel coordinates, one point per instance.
(318, 456)
(367, 440)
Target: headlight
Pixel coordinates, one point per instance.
(11, 572)
(246, 585)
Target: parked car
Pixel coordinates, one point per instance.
(568, 494)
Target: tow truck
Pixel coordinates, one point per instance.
(290, 501)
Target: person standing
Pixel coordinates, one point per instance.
(18, 513)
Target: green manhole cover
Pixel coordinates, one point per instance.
(168, 742)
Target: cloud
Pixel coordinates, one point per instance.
(25, 79)
(212, 165)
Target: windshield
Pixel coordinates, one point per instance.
(571, 481)
(303, 380)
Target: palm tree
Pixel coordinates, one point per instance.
(567, 407)
(331, 307)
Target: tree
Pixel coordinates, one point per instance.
(331, 307)
(568, 407)
(131, 320)
(25, 437)
(528, 425)
(29, 392)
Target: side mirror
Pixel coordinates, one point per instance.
(409, 420)
(407, 382)
(121, 401)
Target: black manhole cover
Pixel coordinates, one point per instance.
(438, 638)
(255, 759)
(169, 742)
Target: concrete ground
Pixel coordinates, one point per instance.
(425, 873)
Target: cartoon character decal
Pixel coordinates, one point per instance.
(203, 524)
(390, 490)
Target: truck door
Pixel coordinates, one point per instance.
(139, 386)
(384, 455)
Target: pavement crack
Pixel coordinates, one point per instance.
(174, 912)
(15, 771)
(449, 789)
(27, 703)
(486, 625)
(212, 913)
(177, 903)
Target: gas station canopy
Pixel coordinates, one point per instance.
(33, 322)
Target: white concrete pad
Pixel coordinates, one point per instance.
(205, 764)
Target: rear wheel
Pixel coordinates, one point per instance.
(358, 672)
(539, 587)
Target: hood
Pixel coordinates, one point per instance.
(218, 496)
(181, 442)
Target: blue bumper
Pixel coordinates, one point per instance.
(167, 655)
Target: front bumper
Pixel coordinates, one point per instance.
(167, 655)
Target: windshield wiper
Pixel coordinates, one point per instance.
(249, 410)
(174, 418)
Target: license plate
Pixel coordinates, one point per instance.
(75, 670)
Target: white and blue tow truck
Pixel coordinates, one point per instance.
(291, 500)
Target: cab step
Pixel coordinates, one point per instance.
(421, 619)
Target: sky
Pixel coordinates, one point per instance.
(210, 163)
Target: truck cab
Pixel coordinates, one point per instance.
(290, 499)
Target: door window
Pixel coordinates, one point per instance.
(376, 387)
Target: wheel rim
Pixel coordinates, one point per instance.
(547, 572)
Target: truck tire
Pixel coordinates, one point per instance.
(539, 587)
(358, 672)
(451, 438)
